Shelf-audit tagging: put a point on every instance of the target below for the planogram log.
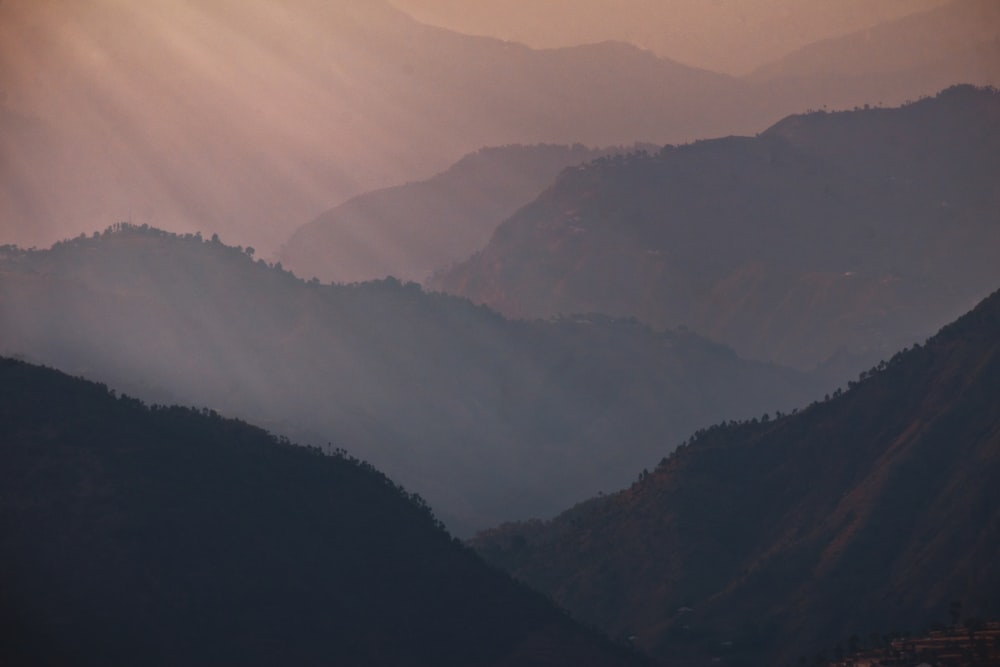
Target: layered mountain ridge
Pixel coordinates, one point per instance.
(250, 118)
(720, 36)
(166, 536)
(486, 418)
(765, 541)
(828, 233)
(412, 230)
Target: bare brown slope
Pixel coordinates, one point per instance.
(855, 230)
(869, 512)
(248, 118)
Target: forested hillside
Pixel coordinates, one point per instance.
(488, 419)
(851, 233)
(170, 536)
(767, 541)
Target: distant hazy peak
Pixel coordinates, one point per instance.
(730, 36)
(951, 30)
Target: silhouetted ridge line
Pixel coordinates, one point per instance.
(166, 535)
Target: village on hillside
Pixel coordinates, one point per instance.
(974, 644)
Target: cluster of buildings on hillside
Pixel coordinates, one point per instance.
(957, 646)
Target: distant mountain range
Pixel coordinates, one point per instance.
(830, 234)
(170, 536)
(723, 36)
(770, 541)
(954, 42)
(892, 61)
(249, 118)
(412, 230)
(486, 418)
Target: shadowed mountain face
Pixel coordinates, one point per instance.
(412, 230)
(174, 537)
(854, 231)
(486, 418)
(250, 117)
(762, 542)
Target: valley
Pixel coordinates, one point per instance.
(559, 333)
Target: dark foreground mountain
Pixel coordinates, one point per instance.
(760, 542)
(488, 419)
(855, 231)
(169, 536)
(410, 231)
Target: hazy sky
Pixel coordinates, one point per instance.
(251, 117)
(731, 36)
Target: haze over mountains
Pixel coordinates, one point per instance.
(725, 36)
(767, 541)
(174, 537)
(627, 299)
(854, 232)
(486, 418)
(251, 118)
(933, 41)
(893, 61)
(410, 231)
